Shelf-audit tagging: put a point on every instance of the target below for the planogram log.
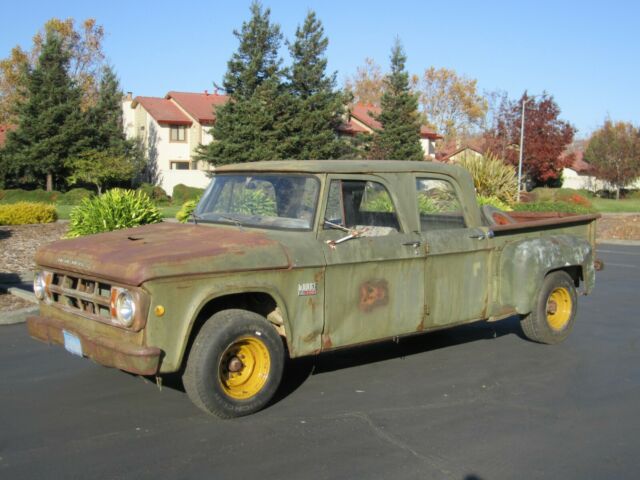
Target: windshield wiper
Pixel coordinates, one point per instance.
(232, 220)
(336, 226)
(195, 217)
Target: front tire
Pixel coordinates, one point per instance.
(554, 312)
(235, 365)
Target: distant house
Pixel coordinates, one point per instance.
(171, 128)
(452, 152)
(361, 120)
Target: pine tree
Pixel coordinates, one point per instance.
(316, 108)
(106, 116)
(248, 127)
(51, 125)
(399, 138)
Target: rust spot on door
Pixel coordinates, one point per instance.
(373, 294)
(326, 341)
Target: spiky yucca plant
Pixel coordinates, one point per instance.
(113, 210)
(491, 176)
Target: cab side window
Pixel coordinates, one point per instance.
(438, 205)
(359, 203)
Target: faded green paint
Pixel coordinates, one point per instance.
(366, 289)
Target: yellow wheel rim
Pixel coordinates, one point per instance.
(559, 306)
(244, 368)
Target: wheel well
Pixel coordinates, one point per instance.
(258, 302)
(575, 272)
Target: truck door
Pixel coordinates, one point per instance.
(374, 283)
(457, 264)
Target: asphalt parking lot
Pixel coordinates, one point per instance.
(476, 402)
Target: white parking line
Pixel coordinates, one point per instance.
(609, 264)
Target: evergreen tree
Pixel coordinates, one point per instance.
(51, 125)
(399, 138)
(106, 116)
(249, 126)
(316, 108)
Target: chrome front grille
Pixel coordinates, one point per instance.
(80, 295)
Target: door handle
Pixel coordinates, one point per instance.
(482, 236)
(414, 244)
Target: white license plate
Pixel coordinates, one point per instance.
(72, 343)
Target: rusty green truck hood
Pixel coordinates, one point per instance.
(136, 255)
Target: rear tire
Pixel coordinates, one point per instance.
(554, 311)
(235, 365)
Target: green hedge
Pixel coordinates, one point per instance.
(182, 193)
(72, 197)
(22, 213)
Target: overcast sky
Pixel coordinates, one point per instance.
(586, 54)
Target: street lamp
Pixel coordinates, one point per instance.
(525, 99)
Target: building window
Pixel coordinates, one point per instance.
(178, 133)
(180, 165)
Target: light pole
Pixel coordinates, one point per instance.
(524, 102)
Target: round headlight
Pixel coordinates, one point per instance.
(39, 285)
(125, 308)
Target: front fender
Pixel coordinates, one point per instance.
(525, 263)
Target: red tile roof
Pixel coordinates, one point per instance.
(579, 165)
(163, 110)
(200, 106)
(3, 132)
(363, 113)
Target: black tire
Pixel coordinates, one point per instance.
(235, 364)
(554, 311)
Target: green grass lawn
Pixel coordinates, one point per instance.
(607, 205)
(166, 211)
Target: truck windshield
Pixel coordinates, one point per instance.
(269, 200)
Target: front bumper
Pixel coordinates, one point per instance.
(105, 351)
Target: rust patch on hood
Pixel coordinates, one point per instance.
(133, 256)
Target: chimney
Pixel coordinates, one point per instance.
(206, 92)
(129, 96)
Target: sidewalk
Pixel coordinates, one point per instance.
(20, 285)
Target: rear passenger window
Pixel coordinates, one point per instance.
(438, 205)
(359, 203)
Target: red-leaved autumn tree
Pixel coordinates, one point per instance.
(614, 151)
(545, 137)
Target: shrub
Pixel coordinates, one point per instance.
(494, 202)
(491, 176)
(155, 193)
(182, 193)
(113, 210)
(187, 209)
(256, 202)
(566, 195)
(560, 207)
(21, 213)
(74, 196)
(15, 195)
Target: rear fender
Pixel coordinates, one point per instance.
(525, 263)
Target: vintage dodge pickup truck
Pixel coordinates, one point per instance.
(296, 258)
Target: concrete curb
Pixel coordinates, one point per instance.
(16, 316)
(19, 292)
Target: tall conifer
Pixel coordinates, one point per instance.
(399, 138)
(316, 109)
(248, 127)
(51, 125)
